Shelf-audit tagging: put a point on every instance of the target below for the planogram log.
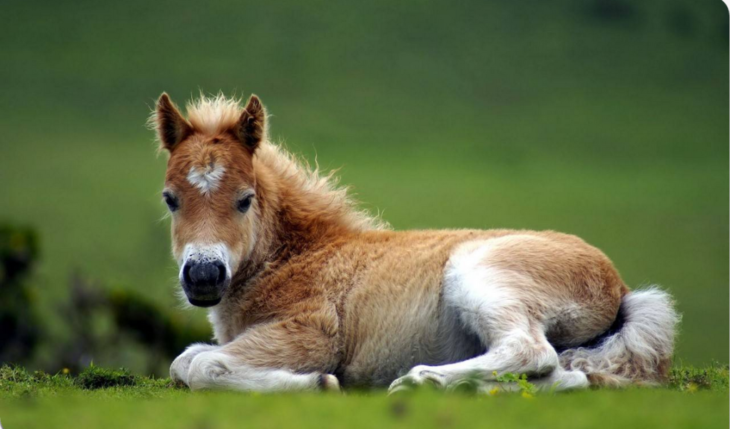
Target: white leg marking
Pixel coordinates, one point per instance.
(181, 365)
(217, 370)
(561, 379)
(558, 380)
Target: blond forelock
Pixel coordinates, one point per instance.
(214, 114)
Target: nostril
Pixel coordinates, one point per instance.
(186, 274)
(206, 274)
(221, 272)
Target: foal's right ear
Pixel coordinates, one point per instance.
(172, 127)
(251, 126)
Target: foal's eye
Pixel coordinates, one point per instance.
(244, 203)
(171, 201)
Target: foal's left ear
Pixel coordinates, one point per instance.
(172, 127)
(251, 126)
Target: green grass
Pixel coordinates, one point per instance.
(479, 115)
(694, 398)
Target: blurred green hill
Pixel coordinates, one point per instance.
(607, 119)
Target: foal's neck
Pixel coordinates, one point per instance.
(299, 210)
(293, 220)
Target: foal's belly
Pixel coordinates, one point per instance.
(394, 317)
(429, 338)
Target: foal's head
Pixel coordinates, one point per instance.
(210, 189)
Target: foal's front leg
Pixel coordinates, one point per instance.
(220, 370)
(181, 365)
(274, 357)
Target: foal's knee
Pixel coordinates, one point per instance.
(525, 354)
(546, 360)
(206, 369)
(180, 367)
(540, 359)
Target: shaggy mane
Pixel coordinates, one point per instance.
(322, 191)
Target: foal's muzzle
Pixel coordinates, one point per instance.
(204, 278)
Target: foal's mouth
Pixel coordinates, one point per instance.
(204, 302)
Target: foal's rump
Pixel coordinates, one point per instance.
(567, 288)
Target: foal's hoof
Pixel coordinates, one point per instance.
(417, 376)
(329, 383)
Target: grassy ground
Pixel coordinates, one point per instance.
(694, 398)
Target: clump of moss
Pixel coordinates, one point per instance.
(691, 379)
(95, 377)
(14, 374)
(16, 381)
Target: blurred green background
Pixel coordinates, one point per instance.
(606, 119)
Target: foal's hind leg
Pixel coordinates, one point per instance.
(516, 351)
(492, 304)
(559, 379)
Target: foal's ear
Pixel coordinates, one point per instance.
(251, 126)
(171, 127)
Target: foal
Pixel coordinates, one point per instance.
(306, 292)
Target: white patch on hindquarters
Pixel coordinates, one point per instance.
(492, 302)
(208, 179)
(484, 296)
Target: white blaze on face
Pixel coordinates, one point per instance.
(206, 179)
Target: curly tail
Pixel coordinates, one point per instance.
(637, 349)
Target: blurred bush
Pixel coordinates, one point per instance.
(19, 328)
(165, 334)
(103, 321)
(612, 10)
(99, 321)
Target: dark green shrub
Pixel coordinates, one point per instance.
(95, 377)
